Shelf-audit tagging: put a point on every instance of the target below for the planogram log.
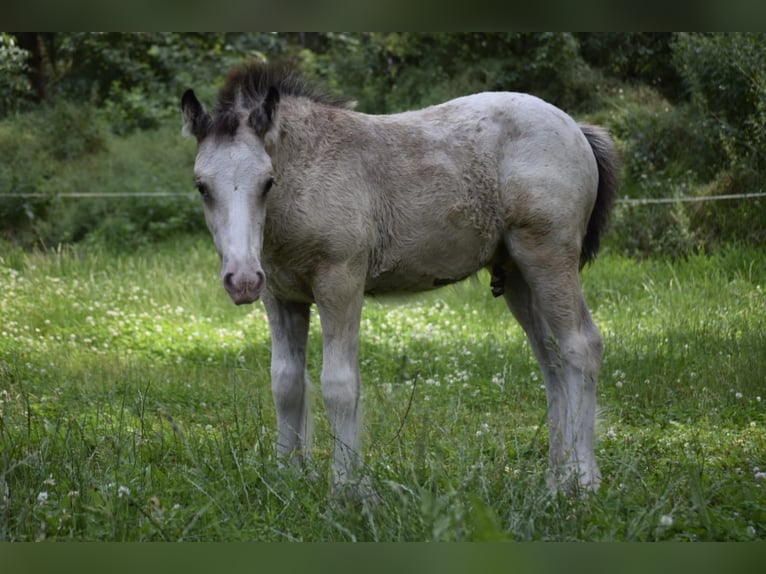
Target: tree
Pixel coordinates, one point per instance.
(15, 86)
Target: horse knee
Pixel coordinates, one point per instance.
(288, 386)
(340, 391)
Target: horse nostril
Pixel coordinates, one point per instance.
(260, 277)
(228, 280)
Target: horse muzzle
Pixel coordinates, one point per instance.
(243, 286)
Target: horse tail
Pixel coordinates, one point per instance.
(608, 163)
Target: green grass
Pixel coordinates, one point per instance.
(135, 405)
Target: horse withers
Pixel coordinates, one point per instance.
(311, 202)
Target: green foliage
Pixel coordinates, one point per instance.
(67, 149)
(36, 147)
(173, 63)
(391, 72)
(664, 230)
(635, 58)
(67, 131)
(135, 404)
(14, 86)
(711, 144)
(137, 77)
(662, 144)
(726, 77)
(666, 154)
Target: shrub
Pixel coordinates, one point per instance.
(56, 151)
(663, 144)
(68, 131)
(35, 148)
(641, 230)
(635, 58)
(144, 162)
(396, 71)
(725, 74)
(726, 78)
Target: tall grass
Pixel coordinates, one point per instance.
(135, 405)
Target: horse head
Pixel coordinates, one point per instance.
(234, 175)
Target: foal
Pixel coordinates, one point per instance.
(310, 202)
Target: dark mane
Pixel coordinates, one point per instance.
(247, 85)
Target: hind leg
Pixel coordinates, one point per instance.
(543, 292)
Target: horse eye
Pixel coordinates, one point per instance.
(203, 190)
(267, 186)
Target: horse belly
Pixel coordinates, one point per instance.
(441, 259)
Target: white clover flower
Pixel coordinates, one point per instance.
(123, 491)
(42, 497)
(482, 429)
(666, 521)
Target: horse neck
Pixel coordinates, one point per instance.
(304, 127)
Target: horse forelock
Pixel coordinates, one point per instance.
(246, 86)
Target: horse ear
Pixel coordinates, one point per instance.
(196, 119)
(262, 118)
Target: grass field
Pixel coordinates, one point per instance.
(135, 405)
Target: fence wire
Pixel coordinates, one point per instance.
(688, 199)
(192, 194)
(85, 195)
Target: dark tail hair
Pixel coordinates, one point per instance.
(608, 163)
